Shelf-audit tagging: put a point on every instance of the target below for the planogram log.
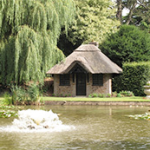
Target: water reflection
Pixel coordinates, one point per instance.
(97, 127)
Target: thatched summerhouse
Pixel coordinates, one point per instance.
(87, 70)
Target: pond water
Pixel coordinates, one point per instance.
(95, 128)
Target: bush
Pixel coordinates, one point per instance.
(94, 95)
(90, 96)
(7, 99)
(114, 94)
(21, 95)
(108, 95)
(101, 95)
(134, 77)
(119, 95)
(18, 94)
(127, 93)
(33, 92)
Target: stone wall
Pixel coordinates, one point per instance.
(64, 90)
(71, 90)
(98, 103)
(105, 89)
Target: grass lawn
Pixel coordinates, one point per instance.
(127, 99)
(135, 98)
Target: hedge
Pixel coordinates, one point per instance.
(134, 77)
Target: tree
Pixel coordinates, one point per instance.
(131, 5)
(141, 15)
(29, 30)
(127, 45)
(119, 11)
(138, 15)
(94, 20)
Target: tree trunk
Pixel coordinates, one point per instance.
(119, 10)
(131, 12)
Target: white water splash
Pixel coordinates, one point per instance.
(37, 121)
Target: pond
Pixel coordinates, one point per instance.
(94, 128)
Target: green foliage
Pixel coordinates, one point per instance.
(145, 116)
(101, 95)
(90, 96)
(94, 20)
(7, 99)
(140, 14)
(114, 94)
(29, 30)
(66, 95)
(18, 94)
(108, 95)
(7, 113)
(21, 95)
(126, 93)
(119, 95)
(53, 95)
(127, 45)
(94, 95)
(134, 77)
(33, 92)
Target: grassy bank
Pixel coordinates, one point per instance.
(1, 99)
(139, 99)
(126, 99)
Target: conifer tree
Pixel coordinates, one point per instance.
(129, 44)
(29, 30)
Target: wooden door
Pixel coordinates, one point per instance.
(81, 84)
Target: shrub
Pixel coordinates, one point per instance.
(7, 99)
(134, 77)
(126, 93)
(90, 96)
(61, 95)
(101, 95)
(33, 92)
(114, 94)
(21, 95)
(94, 95)
(108, 95)
(119, 95)
(18, 94)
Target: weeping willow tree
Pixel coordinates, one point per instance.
(29, 30)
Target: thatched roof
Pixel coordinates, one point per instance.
(90, 58)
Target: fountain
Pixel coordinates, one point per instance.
(79, 127)
(37, 121)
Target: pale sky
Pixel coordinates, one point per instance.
(125, 11)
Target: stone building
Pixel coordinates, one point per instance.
(87, 70)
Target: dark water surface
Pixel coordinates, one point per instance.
(96, 128)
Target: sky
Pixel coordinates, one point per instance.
(125, 12)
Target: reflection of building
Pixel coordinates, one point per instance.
(87, 70)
